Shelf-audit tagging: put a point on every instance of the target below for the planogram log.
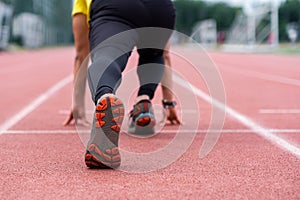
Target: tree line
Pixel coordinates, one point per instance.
(189, 12)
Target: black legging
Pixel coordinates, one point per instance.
(110, 54)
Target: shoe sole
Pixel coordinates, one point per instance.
(104, 153)
(95, 158)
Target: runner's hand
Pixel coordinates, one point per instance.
(75, 119)
(172, 116)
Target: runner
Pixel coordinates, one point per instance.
(109, 18)
(81, 34)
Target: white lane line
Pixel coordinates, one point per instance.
(186, 111)
(279, 111)
(34, 104)
(264, 132)
(162, 131)
(268, 77)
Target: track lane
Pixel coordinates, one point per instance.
(26, 75)
(242, 165)
(263, 86)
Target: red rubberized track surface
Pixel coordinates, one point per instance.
(37, 163)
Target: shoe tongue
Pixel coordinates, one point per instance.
(141, 97)
(144, 100)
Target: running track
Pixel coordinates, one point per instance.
(256, 157)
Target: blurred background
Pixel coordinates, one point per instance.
(35, 23)
(225, 25)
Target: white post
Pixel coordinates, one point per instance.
(251, 29)
(274, 24)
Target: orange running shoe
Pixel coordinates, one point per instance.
(142, 119)
(102, 149)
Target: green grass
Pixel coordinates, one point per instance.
(288, 49)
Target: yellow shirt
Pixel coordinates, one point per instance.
(82, 6)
